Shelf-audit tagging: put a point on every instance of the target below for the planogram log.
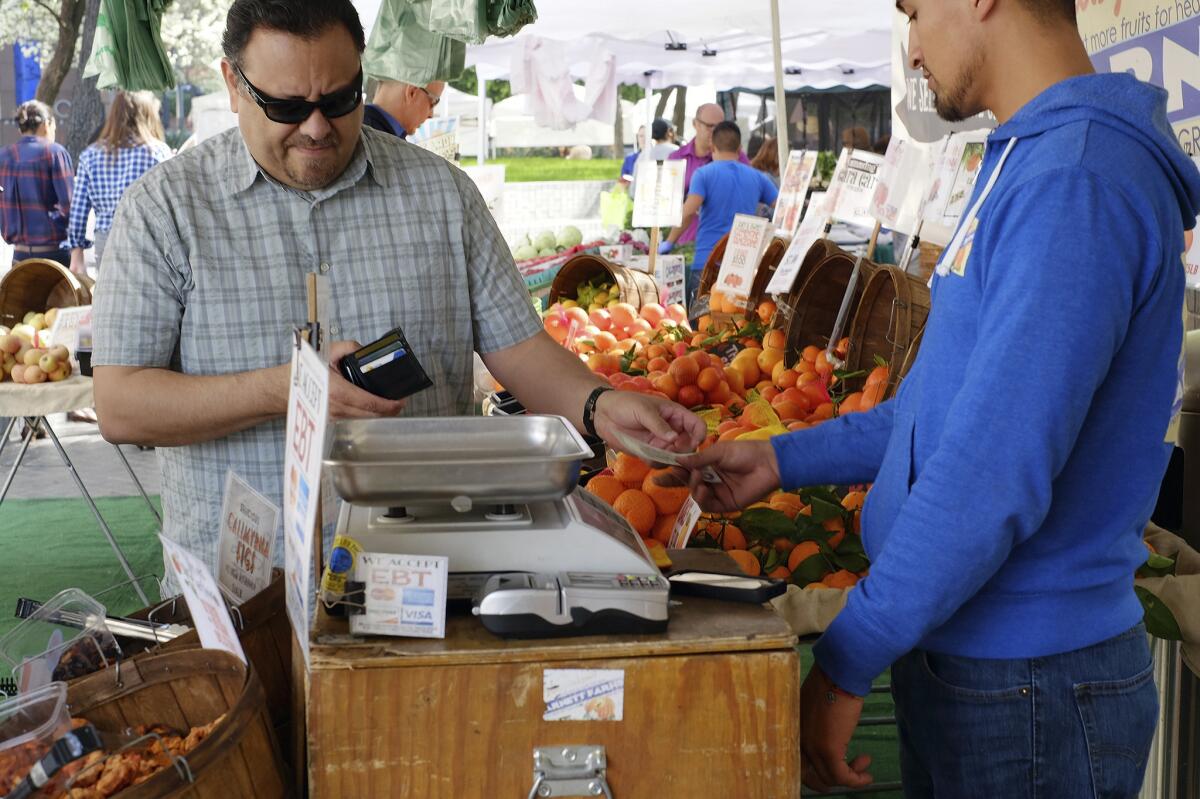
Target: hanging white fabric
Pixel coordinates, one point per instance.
(541, 70)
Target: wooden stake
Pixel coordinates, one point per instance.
(655, 240)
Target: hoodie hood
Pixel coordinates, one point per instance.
(1125, 104)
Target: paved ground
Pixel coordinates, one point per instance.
(44, 476)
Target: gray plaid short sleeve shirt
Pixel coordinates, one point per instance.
(204, 274)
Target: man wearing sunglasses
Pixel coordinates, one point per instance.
(400, 108)
(207, 262)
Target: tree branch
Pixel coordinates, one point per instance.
(56, 14)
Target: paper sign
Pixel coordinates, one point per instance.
(489, 179)
(65, 330)
(901, 188)
(957, 167)
(810, 230)
(405, 595)
(853, 187)
(658, 193)
(308, 410)
(669, 273)
(438, 135)
(748, 241)
(685, 523)
(583, 694)
(618, 253)
(796, 179)
(247, 539)
(210, 616)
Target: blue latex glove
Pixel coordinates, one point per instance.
(665, 248)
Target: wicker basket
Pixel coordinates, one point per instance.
(930, 253)
(240, 757)
(813, 310)
(907, 364)
(39, 284)
(637, 288)
(758, 289)
(712, 267)
(891, 311)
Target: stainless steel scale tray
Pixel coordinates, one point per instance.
(496, 459)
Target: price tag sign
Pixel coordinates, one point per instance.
(65, 330)
(853, 187)
(209, 614)
(406, 595)
(669, 274)
(658, 193)
(796, 178)
(308, 411)
(247, 541)
(957, 168)
(810, 230)
(900, 190)
(748, 240)
(685, 523)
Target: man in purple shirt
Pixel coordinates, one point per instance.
(698, 152)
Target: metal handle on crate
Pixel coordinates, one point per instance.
(570, 771)
(896, 303)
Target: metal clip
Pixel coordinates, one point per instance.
(570, 771)
(896, 303)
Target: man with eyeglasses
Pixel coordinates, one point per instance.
(699, 152)
(400, 108)
(208, 259)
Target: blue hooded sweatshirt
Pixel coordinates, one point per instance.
(1017, 466)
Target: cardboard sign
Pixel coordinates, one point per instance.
(438, 135)
(789, 207)
(65, 330)
(811, 229)
(853, 187)
(246, 543)
(405, 595)
(210, 616)
(956, 168)
(583, 694)
(308, 412)
(901, 189)
(658, 193)
(669, 274)
(748, 240)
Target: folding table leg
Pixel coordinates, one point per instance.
(138, 483)
(27, 440)
(112, 541)
(7, 432)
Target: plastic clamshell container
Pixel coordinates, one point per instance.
(392, 462)
(29, 725)
(65, 638)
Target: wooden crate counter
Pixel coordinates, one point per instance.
(711, 708)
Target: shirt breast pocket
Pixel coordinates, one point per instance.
(892, 483)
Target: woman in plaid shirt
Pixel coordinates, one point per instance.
(35, 188)
(129, 145)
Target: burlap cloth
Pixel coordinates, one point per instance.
(810, 611)
(41, 399)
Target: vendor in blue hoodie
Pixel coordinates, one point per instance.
(1017, 466)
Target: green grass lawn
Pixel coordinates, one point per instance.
(524, 170)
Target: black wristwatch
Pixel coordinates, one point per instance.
(589, 409)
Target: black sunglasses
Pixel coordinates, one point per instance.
(292, 112)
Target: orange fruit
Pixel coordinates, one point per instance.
(810, 353)
(746, 562)
(658, 364)
(656, 351)
(787, 410)
(751, 374)
(663, 528)
(783, 545)
(780, 573)
(666, 384)
(834, 525)
(766, 310)
(666, 499)
(607, 487)
(787, 378)
(824, 411)
(684, 370)
(637, 509)
(836, 539)
(775, 339)
(768, 358)
(841, 579)
(690, 396)
(878, 375)
(732, 435)
(769, 393)
(623, 314)
(872, 396)
(802, 552)
(732, 537)
(719, 395)
(708, 379)
(854, 500)
(851, 403)
(630, 470)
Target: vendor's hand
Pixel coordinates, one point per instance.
(348, 401)
(825, 730)
(77, 265)
(653, 420)
(666, 247)
(748, 472)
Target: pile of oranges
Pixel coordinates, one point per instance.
(649, 508)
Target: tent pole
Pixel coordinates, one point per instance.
(483, 137)
(781, 114)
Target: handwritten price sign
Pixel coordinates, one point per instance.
(247, 541)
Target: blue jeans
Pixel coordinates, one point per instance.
(691, 282)
(1066, 726)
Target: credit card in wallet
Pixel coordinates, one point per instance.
(661, 457)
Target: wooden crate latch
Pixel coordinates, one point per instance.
(570, 771)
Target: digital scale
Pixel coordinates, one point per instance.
(533, 555)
